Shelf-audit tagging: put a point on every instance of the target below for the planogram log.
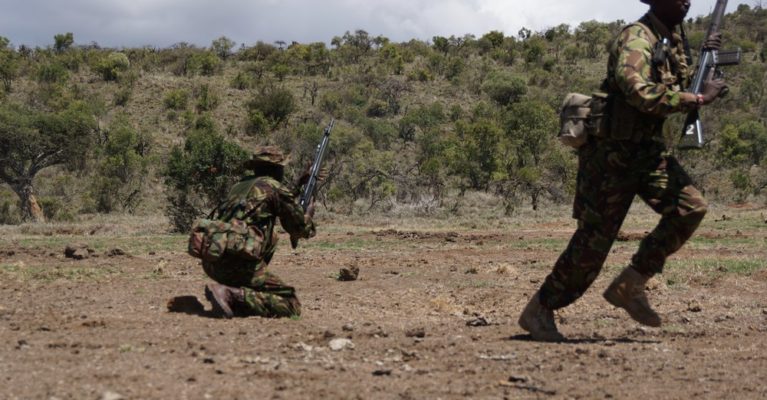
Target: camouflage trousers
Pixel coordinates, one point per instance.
(265, 293)
(610, 174)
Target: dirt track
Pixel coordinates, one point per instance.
(433, 315)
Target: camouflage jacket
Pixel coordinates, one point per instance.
(259, 201)
(646, 91)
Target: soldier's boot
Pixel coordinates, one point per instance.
(627, 291)
(224, 299)
(539, 321)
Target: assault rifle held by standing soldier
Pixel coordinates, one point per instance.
(710, 60)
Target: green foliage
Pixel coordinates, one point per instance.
(275, 104)
(594, 35)
(63, 41)
(199, 174)
(242, 81)
(504, 88)
(123, 162)
(207, 99)
(112, 67)
(33, 140)
(9, 64)
(475, 156)
(421, 117)
(52, 73)
(176, 99)
(744, 144)
(222, 47)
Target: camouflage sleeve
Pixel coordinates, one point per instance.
(633, 75)
(292, 215)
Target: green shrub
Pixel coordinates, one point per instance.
(198, 175)
(275, 104)
(207, 99)
(504, 88)
(176, 99)
(113, 66)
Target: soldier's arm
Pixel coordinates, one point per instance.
(292, 217)
(634, 78)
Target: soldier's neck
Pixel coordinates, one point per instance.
(662, 27)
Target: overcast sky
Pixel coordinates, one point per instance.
(161, 23)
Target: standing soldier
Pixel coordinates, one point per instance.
(245, 287)
(646, 73)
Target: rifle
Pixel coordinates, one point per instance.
(311, 183)
(710, 60)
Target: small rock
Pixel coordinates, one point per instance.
(339, 344)
(348, 328)
(694, 307)
(109, 395)
(518, 379)
(416, 332)
(382, 372)
(77, 251)
(479, 321)
(116, 252)
(348, 273)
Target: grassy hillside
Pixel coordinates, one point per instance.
(419, 124)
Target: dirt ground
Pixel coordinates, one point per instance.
(432, 316)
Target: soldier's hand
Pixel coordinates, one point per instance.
(712, 89)
(310, 208)
(713, 42)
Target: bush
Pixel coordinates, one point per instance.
(52, 72)
(377, 108)
(176, 99)
(257, 123)
(275, 104)
(503, 88)
(207, 99)
(242, 81)
(113, 66)
(199, 174)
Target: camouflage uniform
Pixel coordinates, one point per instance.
(631, 160)
(259, 201)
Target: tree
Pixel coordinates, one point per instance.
(123, 163)
(222, 47)
(63, 41)
(199, 174)
(594, 35)
(276, 104)
(504, 88)
(9, 64)
(32, 140)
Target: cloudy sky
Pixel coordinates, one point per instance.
(161, 23)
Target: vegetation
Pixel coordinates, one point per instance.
(420, 124)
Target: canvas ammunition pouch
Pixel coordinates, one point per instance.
(583, 115)
(211, 239)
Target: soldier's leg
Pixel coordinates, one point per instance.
(669, 191)
(268, 296)
(604, 194)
